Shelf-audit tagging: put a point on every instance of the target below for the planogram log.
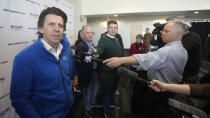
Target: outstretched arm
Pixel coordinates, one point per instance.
(117, 61)
(158, 86)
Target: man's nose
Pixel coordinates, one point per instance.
(56, 27)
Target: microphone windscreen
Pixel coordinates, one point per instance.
(122, 71)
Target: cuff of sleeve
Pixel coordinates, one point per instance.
(195, 90)
(137, 66)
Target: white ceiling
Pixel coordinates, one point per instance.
(203, 15)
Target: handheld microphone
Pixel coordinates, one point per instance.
(186, 108)
(133, 75)
(97, 60)
(93, 59)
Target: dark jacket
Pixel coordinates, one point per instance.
(191, 42)
(200, 91)
(84, 69)
(137, 48)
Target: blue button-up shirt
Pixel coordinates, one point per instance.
(90, 51)
(166, 64)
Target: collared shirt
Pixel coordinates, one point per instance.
(166, 64)
(52, 50)
(114, 38)
(90, 51)
(90, 45)
(110, 36)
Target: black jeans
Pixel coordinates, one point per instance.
(109, 81)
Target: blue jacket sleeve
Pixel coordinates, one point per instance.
(21, 88)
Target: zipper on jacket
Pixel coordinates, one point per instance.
(42, 108)
(64, 87)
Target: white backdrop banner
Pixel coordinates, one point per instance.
(18, 28)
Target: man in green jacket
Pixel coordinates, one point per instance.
(109, 46)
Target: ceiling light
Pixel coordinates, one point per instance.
(196, 12)
(115, 15)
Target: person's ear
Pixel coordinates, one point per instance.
(179, 34)
(41, 30)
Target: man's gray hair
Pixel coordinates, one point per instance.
(84, 28)
(179, 26)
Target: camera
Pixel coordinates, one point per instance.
(157, 33)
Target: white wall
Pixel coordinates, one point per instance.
(93, 7)
(125, 24)
(78, 20)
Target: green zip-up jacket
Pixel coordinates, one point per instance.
(108, 47)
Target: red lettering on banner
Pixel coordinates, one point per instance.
(12, 11)
(4, 111)
(34, 15)
(3, 62)
(4, 95)
(16, 27)
(18, 43)
(33, 2)
(2, 79)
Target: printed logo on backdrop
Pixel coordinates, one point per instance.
(3, 62)
(34, 15)
(2, 79)
(13, 11)
(5, 111)
(32, 28)
(34, 2)
(18, 43)
(4, 95)
(16, 27)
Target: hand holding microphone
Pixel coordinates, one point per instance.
(113, 62)
(88, 58)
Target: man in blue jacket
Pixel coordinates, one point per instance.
(41, 77)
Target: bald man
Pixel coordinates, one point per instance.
(166, 64)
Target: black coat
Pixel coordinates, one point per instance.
(191, 42)
(84, 69)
